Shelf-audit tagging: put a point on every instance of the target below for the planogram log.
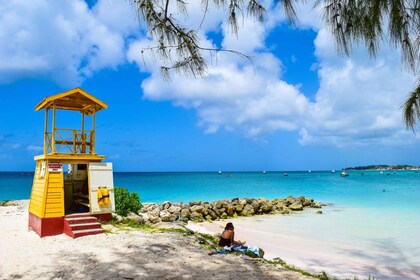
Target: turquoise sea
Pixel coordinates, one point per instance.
(360, 189)
(372, 221)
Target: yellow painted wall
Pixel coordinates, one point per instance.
(47, 196)
(36, 203)
(54, 206)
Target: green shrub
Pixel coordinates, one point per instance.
(126, 202)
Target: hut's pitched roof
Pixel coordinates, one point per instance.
(75, 99)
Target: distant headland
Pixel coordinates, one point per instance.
(384, 167)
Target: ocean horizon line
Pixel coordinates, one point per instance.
(211, 171)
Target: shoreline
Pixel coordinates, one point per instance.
(318, 243)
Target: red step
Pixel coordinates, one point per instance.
(81, 225)
(85, 232)
(80, 220)
(85, 226)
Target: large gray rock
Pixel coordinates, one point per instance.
(196, 217)
(316, 205)
(256, 205)
(166, 205)
(206, 205)
(289, 200)
(216, 211)
(248, 210)
(307, 202)
(286, 211)
(212, 214)
(224, 215)
(222, 204)
(296, 206)
(230, 210)
(184, 214)
(117, 217)
(266, 206)
(153, 218)
(278, 205)
(135, 217)
(206, 208)
(197, 208)
(185, 206)
(174, 209)
(239, 208)
(150, 207)
(192, 203)
(243, 201)
(165, 216)
(154, 212)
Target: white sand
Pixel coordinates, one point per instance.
(321, 243)
(121, 255)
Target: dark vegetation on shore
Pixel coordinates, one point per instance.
(383, 166)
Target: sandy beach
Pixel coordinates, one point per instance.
(320, 243)
(120, 255)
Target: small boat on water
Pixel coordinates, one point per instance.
(344, 173)
(309, 171)
(285, 174)
(264, 172)
(333, 171)
(219, 172)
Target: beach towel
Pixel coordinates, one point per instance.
(251, 251)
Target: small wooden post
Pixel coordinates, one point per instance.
(53, 130)
(92, 137)
(46, 132)
(83, 136)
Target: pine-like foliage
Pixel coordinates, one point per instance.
(351, 22)
(171, 37)
(371, 22)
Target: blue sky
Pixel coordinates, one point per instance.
(304, 107)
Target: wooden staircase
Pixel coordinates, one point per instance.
(77, 225)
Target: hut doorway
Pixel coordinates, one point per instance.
(76, 189)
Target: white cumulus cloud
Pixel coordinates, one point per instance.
(358, 101)
(64, 40)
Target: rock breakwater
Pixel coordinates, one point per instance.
(199, 211)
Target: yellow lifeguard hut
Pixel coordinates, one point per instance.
(72, 187)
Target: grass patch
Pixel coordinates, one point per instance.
(321, 276)
(4, 203)
(7, 203)
(207, 241)
(210, 242)
(278, 261)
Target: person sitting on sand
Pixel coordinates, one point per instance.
(228, 237)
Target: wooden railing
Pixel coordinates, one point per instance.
(69, 141)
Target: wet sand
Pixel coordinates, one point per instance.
(316, 243)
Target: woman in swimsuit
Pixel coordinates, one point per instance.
(228, 237)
